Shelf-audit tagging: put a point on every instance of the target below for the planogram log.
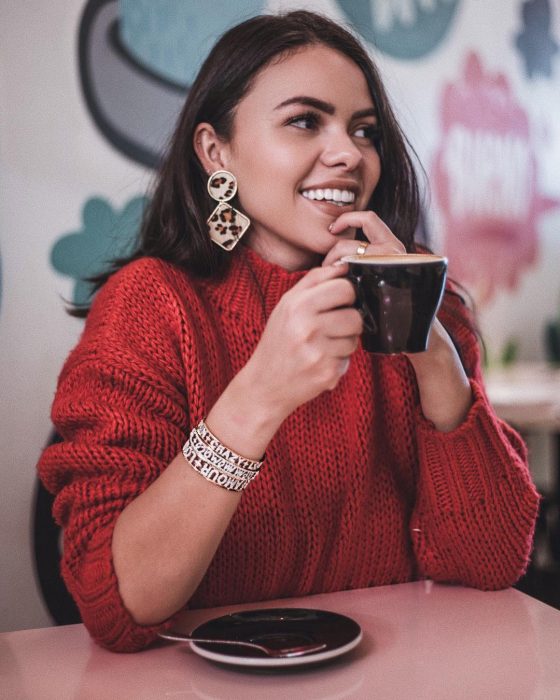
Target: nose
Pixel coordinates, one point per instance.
(340, 150)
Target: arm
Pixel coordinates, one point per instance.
(141, 526)
(476, 506)
(443, 386)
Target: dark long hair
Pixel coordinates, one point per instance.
(174, 225)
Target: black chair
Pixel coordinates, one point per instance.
(47, 555)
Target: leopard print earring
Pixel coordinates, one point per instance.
(226, 225)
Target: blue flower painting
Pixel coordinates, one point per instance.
(106, 233)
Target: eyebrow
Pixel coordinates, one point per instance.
(326, 107)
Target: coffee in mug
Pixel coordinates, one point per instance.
(398, 296)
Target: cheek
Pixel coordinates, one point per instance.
(373, 174)
(267, 171)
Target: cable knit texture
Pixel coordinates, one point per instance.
(358, 488)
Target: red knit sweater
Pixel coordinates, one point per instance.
(358, 488)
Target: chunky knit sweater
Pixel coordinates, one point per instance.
(358, 488)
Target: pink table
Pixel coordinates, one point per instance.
(420, 641)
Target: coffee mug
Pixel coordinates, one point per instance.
(398, 295)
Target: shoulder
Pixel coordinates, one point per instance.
(145, 277)
(148, 290)
(137, 332)
(142, 313)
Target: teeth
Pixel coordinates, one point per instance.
(339, 197)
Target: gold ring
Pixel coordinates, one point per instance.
(361, 249)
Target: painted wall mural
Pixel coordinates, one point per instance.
(137, 59)
(485, 181)
(406, 29)
(106, 233)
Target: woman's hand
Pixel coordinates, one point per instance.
(444, 388)
(445, 391)
(306, 346)
(380, 239)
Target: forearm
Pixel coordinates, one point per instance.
(476, 505)
(445, 392)
(165, 539)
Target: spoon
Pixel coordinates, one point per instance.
(285, 652)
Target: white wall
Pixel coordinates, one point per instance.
(52, 159)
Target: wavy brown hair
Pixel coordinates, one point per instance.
(174, 224)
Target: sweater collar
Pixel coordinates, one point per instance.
(252, 286)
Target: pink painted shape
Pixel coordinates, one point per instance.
(485, 181)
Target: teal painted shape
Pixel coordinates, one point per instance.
(106, 234)
(406, 29)
(172, 37)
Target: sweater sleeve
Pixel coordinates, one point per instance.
(121, 410)
(476, 505)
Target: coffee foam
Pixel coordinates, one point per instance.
(405, 259)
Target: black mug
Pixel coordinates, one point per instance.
(398, 295)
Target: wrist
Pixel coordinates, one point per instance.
(244, 418)
(444, 388)
(439, 355)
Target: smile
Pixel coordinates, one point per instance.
(339, 197)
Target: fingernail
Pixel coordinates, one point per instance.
(337, 263)
(330, 227)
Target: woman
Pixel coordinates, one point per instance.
(378, 469)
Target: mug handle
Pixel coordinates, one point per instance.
(369, 322)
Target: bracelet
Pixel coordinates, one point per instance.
(206, 453)
(217, 463)
(213, 442)
(216, 476)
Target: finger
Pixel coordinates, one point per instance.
(342, 323)
(318, 275)
(376, 231)
(331, 294)
(343, 248)
(343, 347)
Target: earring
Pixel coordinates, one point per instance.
(226, 225)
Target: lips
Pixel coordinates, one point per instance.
(329, 208)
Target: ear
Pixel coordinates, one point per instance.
(210, 148)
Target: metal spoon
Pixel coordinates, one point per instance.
(285, 652)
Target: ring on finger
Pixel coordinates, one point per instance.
(361, 249)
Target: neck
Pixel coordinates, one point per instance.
(285, 256)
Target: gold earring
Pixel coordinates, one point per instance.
(226, 225)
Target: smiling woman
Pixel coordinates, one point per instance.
(198, 359)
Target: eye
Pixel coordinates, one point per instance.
(307, 121)
(370, 132)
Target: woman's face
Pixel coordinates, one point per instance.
(302, 149)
